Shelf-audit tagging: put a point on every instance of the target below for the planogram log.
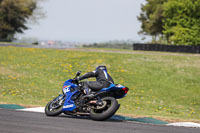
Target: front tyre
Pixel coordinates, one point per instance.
(106, 111)
(54, 107)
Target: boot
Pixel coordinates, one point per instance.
(88, 93)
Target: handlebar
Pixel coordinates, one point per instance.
(75, 81)
(78, 73)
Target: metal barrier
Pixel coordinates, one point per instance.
(167, 48)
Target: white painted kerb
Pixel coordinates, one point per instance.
(185, 124)
(38, 109)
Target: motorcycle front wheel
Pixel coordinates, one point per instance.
(54, 107)
(108, 109)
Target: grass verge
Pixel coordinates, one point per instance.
(160, 85)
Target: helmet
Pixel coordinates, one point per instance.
(101, 67)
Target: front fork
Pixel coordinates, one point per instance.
(61, 99)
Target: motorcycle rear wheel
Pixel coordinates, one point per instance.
(53, 108)
(106, 112)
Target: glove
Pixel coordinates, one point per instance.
(76, 80)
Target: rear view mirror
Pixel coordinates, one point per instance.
(78, 73)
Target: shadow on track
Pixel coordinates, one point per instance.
(119, 118)
(88, 118)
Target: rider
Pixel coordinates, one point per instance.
(103, 80)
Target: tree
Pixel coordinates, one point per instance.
(151, 18)
(13, 16)
(182, 21)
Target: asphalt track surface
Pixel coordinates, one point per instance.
(13, 121)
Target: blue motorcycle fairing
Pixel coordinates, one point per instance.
(114, 87)
(111, 87)
(68, 82)
(69, 104)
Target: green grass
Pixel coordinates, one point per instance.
(160, 85)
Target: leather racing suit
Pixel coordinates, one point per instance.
(103, 79)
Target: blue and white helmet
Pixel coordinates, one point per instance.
(102, 68)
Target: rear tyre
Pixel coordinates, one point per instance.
(109, 108)
(54, 108)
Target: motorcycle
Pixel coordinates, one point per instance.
(100, 106)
